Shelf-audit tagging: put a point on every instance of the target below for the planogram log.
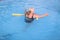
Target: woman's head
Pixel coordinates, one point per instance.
(31, 9)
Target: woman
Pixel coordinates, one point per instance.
(30, 15)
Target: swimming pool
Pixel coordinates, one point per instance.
(14, 28)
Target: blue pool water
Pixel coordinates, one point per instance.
(14, 28)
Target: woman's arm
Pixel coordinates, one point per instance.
(39, 16)
(43, 15)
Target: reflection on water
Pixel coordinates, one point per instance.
(27, 26)
(5, 37)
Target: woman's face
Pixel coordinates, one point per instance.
(32, 10)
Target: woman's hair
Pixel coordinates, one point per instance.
(28, 12)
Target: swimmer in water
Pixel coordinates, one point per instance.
(30, 15)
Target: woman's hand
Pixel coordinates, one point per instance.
(46, 14)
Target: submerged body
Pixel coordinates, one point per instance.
(29, 20)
